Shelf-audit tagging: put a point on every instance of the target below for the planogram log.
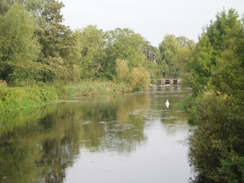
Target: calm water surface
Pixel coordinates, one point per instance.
(118, 139)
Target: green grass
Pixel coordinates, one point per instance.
(19, 98)
(91, 88)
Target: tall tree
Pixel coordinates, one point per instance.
(123, 44)
(152, 55)
(168, 48)
(218, 38)
(60, 52)
(183, 57)
(200, 65)
(150, 51)
(217, 71)
(18, 46)
(92, 44)
(185, 42)
(35, 7)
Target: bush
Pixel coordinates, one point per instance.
(19, 98)
(217, 145)
(122, 70)
(139, 78)
(90, 88)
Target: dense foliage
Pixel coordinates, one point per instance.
(217, 77)
(35, 47)
(12, 99)
(37, 50)
(174, 55)
(138, 77)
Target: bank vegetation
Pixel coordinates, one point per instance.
(38, 52)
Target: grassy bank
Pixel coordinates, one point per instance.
(20, 98)
(88, 88)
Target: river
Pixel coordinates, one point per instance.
(132, 138)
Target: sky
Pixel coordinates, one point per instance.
(153, 19)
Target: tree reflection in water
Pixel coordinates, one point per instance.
(39, 146)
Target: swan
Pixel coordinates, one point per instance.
(167, 104)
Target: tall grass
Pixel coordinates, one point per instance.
(18, 98)
(90, 88)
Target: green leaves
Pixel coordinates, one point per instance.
(122, 70)
(138, 77)
(18, 44)
(60, 53)
(16, 31)
(221, 38)
(125, 44)
(200, 66)
(218, 140)
(217, 72)
(174, 54)
(91, 45)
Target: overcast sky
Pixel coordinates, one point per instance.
(153, 19)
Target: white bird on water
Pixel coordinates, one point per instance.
(167, 104)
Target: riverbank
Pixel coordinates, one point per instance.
(21, 98)
(91, 88)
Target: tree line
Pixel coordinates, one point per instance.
(217, 77)
(35, 47)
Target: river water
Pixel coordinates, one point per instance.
(132, 138)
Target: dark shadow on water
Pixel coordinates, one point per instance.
(38, 146)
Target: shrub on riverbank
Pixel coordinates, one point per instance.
(217, 76)
(138, 78)
(216, 148)
(90, 88)
(18, 98)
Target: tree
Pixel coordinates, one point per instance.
(92, 45)
(168, 48)
(217, 70)
(60, 53)
(122, 70)
(216, 148)
(34, 7)
(5, 6)
(139, 78)
(152, 55)
(218, 38)
(122, 44)
(18, 45)
(150, 51)
(200, 66)
(185, 42)
(220, 32)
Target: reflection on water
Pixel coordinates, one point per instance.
(130, 138)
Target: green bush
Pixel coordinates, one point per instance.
(217, 144)
(122, 70)
(139, 78)
(90, 88)
(23, 98)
